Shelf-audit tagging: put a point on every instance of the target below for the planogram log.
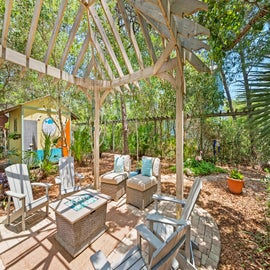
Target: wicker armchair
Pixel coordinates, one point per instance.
(141, 187)
(113, 183)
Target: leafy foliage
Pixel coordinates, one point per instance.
(235, 174)
(260, 98)
(233, 139)
(31, 159)
(202, 167)
(46, 166)
(82, 144)
(227, 20)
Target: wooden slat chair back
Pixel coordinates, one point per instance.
(162, 225)
(187, 204)
(67, 172)
(161, 259)
(191, 199)
(22, 194)
(66, 178)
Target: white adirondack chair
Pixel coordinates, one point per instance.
(22, 194)
(162, 225)
(163, 258)
(66, 178)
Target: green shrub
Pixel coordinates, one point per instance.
(202, 167)
(82, 144)
(46, 166)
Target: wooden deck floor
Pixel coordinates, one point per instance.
(36, 248)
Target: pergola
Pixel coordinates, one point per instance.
(103, 66)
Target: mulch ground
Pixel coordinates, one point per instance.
(243, 220)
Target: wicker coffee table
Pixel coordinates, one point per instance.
(80, 219)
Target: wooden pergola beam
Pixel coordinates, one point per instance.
(187, 7)
(188, 28)
(164, 57)
(116, 35)
(21, 60)
(147, 38)
(193, 44)
(8, 8)
(144, 73)
(130, 32)
(33, 28)
(71, 36)
(151, 13)
(101, 55)
(56, 29)
(106, 41)
(89, 67)
(195, 61)
(81, 55)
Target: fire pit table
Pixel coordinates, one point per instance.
(80, 219)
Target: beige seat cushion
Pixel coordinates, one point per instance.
(141, 183)
(113, 178)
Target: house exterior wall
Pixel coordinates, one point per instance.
(15, 127)
(3, 135)
(39, 117)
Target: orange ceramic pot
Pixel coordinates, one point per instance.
(235, 185)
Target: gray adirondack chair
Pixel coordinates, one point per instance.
(163, 258)
(22, 194)
(162, 225)
(66, 178)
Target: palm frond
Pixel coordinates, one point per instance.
(259, 84)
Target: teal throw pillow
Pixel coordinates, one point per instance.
(147, 167)
(118, 164)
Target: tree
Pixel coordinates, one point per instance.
(230, 21)
(236, 26)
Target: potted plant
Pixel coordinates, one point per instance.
(235, 181)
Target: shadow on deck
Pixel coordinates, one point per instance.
(37, 248)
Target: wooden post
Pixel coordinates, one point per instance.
(96, 140)
(22, 135)
(179, 138)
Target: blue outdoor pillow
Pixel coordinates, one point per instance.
(147, 167)
(118, 164)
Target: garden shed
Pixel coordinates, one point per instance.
(30, 122)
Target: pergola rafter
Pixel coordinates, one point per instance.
(102, 66)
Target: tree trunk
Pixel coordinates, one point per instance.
(124, 125)
(227, 91)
